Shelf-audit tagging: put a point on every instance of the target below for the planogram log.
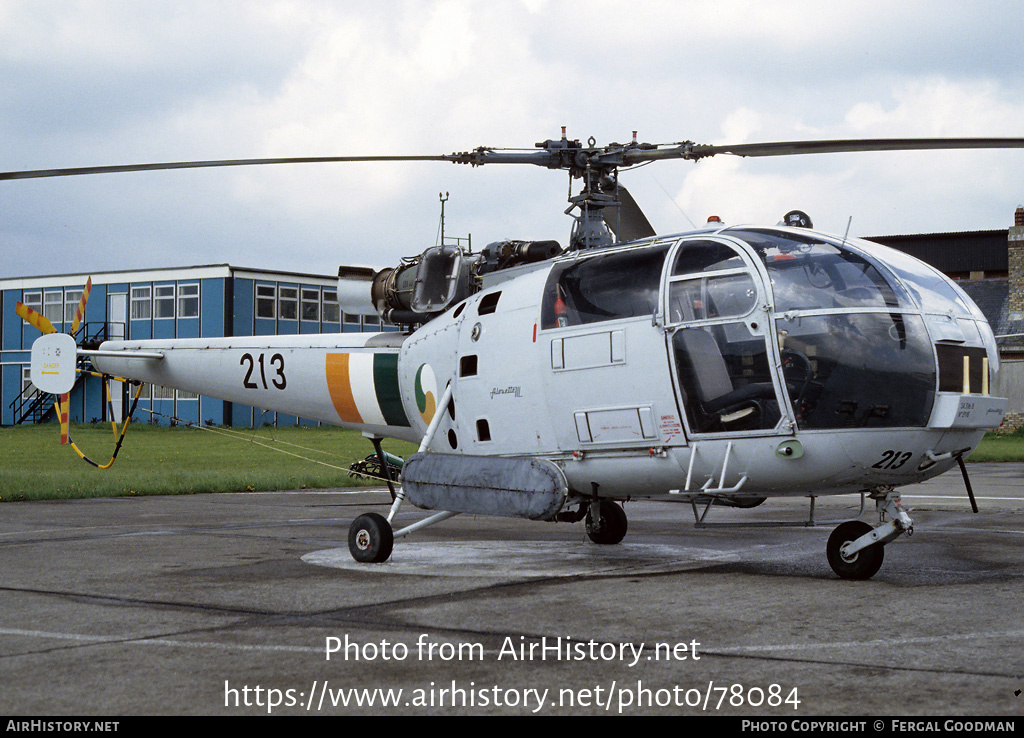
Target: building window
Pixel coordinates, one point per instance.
(331, 312)
(142, 303)
(351, 319)
(71, 300)
(311, 305)
(162, 393)
(188, 300)
(266, 299)
(288, 303)
(163, 301)
(27, 387)
(53, 306)
(33, 300)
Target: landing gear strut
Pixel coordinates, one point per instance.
(371, 537)
(854, 549)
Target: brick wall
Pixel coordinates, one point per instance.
(1015, 259)
(1011, 422)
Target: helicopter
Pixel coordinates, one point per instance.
(720, 366)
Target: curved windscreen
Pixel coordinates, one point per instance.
(932, 290)
(858, 369)
(854, 348)
(810, 273)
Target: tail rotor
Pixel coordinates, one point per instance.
(54, 363)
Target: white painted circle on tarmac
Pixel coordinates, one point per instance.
(524, 560)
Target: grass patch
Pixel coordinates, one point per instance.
(1000, 447)
(161, 460)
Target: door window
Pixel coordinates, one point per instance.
(725, 378)
(722, 363)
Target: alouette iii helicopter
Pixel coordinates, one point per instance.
(720, 366)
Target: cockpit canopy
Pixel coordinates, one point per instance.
(855, 327)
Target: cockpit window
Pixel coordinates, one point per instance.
(705, 256)
(725, 378)
(858, 370)
(604, 287)
(706, 298)
(808, 273)
(932, 290)
(709, 280)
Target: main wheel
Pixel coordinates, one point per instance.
(370, 538)
(863, 564)
(611, 525)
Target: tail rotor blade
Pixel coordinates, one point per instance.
(34, 319)
(80, 313)
(62, 410)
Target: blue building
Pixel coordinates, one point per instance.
(186, 302)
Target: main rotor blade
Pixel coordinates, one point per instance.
(789, 148)
(37, 173)
(571, 158)
(626, 220)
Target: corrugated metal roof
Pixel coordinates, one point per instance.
(967, 251)
(161, 273)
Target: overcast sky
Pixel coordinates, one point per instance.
(92, 83)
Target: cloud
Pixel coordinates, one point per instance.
(884, 192)
(113, 82)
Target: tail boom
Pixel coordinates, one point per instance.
(349, 380)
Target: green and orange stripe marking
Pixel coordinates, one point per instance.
(364, 388)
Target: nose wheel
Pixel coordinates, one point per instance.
(862, 564)
(606, 522)
(855, 549)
